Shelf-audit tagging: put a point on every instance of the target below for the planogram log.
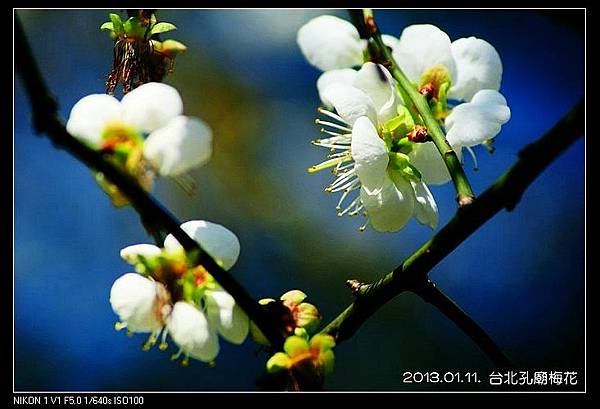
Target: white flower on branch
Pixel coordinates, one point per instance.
(174, 144)
(171, 296)
(468, 69)
(369, 144)
(330, 43)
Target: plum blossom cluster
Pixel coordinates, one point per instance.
(304, 360)
(145, 135)
(170, 296)
(380, 152)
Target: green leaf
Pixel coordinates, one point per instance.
(117, 24)
(134, 28)
(108, 26)
(162, 27)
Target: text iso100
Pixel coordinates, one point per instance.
(440, 377)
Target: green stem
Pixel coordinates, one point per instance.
(369, 29)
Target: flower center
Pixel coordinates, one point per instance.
(123, 146)
(434, 85)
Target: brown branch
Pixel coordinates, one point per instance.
(47, 121)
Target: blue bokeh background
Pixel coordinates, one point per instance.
(521, 276)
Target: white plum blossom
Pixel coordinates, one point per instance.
(330, 43)
(141, 303)
(473, 70)
(467, 71)
(171, 297)
(362, 161)
(174, 143)
(429, 58)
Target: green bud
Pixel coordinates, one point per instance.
(307, 317)
(295, 345)
(327, 362)
(293, 297)
(322, 342)
(326, 358)
(278, 362)
(301, 332)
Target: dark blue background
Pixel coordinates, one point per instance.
(521, 276)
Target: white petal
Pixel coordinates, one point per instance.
(350, 103)
(427, 159)
(131, 253)
(389, 41)
(478, 67)
(422, 46)
(391, 208)
(229, 318)
(342, 76)
(219, 242)
(135, 299)
(426, 211)
(151, 106)
(90, 115)
(377, 82)
(369, 153)
(181, 145)
(472, 123)
(189, 328)
(329, 42)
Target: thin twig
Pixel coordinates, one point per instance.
(434, 296)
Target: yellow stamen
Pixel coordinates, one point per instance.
(329, 163)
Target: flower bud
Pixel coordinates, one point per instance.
(419, 134)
